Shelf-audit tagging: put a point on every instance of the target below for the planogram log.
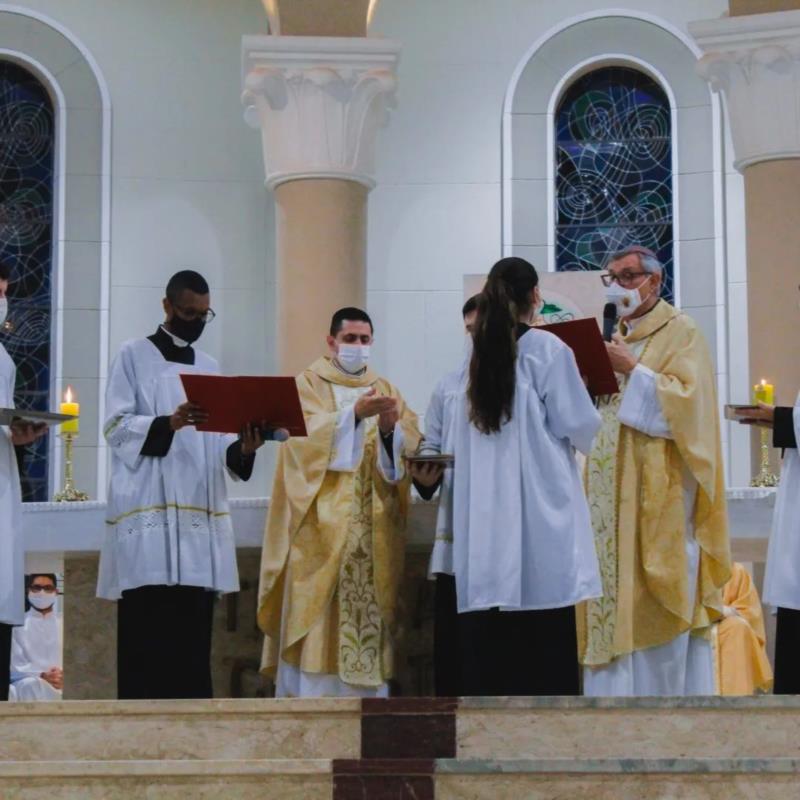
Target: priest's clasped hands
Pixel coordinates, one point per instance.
(372, 404)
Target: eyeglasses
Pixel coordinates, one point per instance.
(36, 588)
(625, 278)
(189, 314)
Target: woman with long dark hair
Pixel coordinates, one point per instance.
(524, 553)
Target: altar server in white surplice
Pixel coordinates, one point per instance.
(428, 477)
(523, 550)
(12, 552)
(36, 659)
(782, 579)
(169, 545)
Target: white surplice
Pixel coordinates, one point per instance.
(782, 577)
(439, 438)
(12, 552)
(168, 520)
(347, 454)
(35, 648)
(684, 666)
(522, 533)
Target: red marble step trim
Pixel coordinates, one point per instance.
(408, 727)
(409, 705)
(384, 766)
(383, 779)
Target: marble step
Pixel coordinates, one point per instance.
(640, 728)
(284, 779)
(180, 729)
(449, 779)
(617, 779)
(471, 728)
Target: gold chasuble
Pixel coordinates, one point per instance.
(335, 542)
(635, 489)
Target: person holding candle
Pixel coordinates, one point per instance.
(12, 554)
(169, 545)
(782, 577)
(656, 492)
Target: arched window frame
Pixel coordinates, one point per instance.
(82, 192)
(50, 85)
(707, 216)
(579, 71)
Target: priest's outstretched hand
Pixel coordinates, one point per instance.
(622, 358)
(372, 404)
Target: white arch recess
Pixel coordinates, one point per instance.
(660, 49)
(80, 94)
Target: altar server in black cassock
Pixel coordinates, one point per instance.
(169, 546)
(782, 577)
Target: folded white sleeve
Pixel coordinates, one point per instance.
(392, 473)
(640, 408)
(348, 442)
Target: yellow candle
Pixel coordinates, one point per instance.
(764, 393)
(69, 406)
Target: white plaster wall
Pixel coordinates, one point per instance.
(186, 172)
(435, 214)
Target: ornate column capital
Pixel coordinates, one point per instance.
(754, 61)
(319, 102)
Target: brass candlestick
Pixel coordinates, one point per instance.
(765, 477)
(69, 493)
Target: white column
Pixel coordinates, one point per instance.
(754, 62)
(319, 103)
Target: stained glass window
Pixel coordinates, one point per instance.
(27, 139)
(613, 170)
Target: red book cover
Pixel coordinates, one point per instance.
(233, 402)
(586, 341)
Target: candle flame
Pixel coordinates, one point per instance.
(763, 382)
(68, 395)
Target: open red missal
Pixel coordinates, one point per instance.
(233, 402)
(586, 341)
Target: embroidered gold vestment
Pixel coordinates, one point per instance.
(334, 545)
(635, 492)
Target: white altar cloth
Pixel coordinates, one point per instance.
(80, 526)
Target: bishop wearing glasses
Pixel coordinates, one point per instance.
(169, 546)
(657, 498)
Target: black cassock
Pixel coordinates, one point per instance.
(787, 634)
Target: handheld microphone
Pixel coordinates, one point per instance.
(274, 434)
(609, 320)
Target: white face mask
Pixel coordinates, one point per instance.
(353, 358)
(627, 301)
(42, 600)
(3, 309)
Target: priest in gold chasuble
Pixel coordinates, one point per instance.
(335, 541)
(656, 493)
